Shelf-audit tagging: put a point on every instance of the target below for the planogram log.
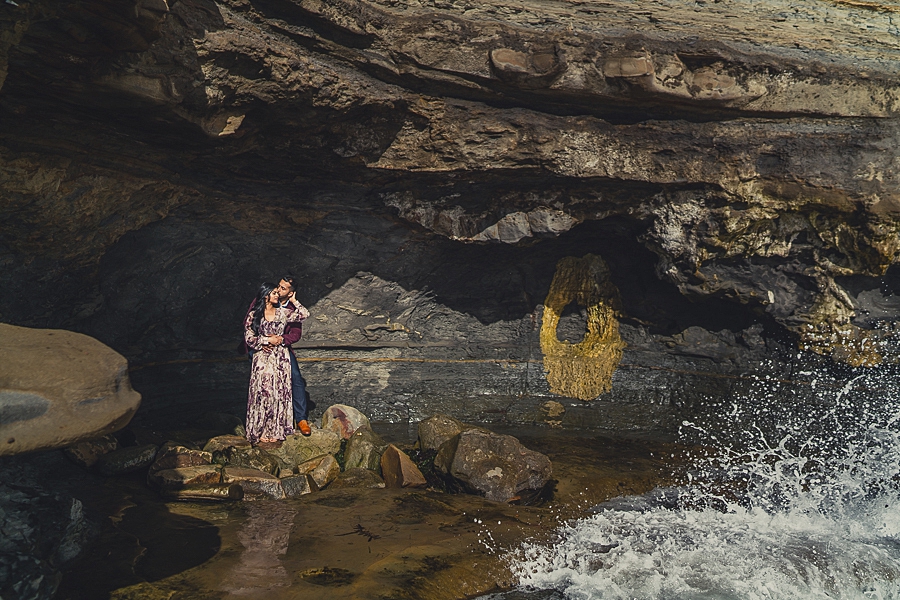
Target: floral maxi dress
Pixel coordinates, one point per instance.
(269, 411)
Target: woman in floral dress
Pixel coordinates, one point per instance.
(269, 412)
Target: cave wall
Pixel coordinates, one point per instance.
(426, 167)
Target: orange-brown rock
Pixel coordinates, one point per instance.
(398, 469)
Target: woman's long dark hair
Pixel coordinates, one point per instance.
(259, 305)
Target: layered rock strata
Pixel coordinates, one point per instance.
(426, 166)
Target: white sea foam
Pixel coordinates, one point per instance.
(799, 501)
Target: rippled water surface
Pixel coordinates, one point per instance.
(799, 501)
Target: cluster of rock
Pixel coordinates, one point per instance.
(343, 452)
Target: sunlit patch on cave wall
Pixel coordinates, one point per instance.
(582, 370)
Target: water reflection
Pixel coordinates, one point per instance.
(264, 536)
(147, 543)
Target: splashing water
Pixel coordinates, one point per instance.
(796, 499)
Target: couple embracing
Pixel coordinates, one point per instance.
(278, 398)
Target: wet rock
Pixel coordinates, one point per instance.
(322, 470)
(251, 458)
(494, 465)
(221, 442)
(297, 449)
(181, 477)
(343, 420)
(298, 485)
(88, 452)
(364, 450)
(220, 492)
(174, 456)
(398, 470)
(309, 465)
(41, 532)
(126, 460)
(436, 430)
(326, 472)
(59, 387)
(255, 484)
(357, 478)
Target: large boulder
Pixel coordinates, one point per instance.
(343, 420)
(494, 465)
(398, 469)
(364, 450)
(59, 387)
(212, 491)
(297, 449)
(436, 430)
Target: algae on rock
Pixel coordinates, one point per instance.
(583, 370)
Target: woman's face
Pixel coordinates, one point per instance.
(273, 297)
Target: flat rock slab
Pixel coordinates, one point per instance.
(215, 491)
(256, 484)
(58, 387)
(178, 478)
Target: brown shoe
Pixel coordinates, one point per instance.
(303, 426)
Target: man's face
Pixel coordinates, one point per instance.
(284, 290)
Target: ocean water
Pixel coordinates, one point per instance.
(791, 500)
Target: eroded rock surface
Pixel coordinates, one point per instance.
(59, 387)
(428, 165)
